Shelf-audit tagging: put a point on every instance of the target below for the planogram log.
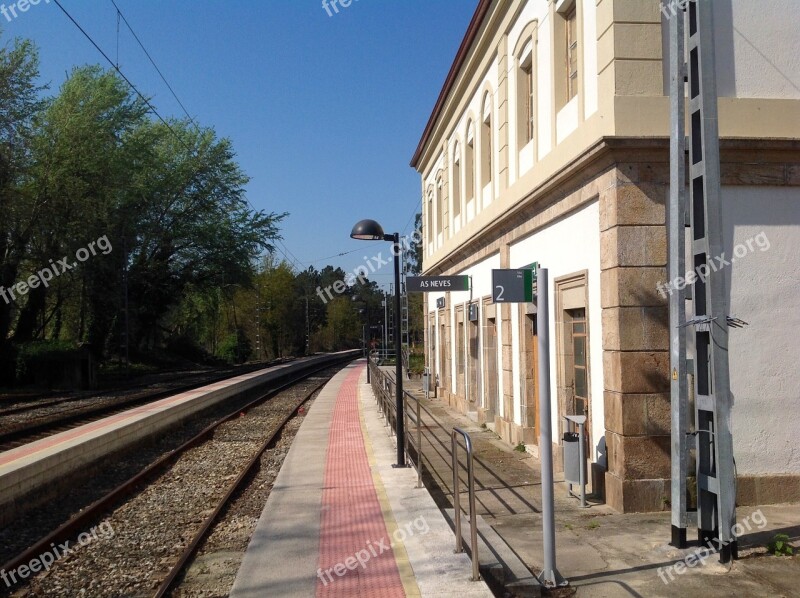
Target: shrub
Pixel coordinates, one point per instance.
(43, 361)
(779, 546)
(235, 348)
(187, 348)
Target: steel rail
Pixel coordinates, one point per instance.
(209, 522)
(80, 521)
(40, 429)
(42, 401)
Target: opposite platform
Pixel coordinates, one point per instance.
(340, 521)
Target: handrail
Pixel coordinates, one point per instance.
(418, 421)
(473, 515)
(384, 396)
(382, 386)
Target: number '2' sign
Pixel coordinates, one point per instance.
(512, 286)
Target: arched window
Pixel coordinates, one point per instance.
(525, 99)
(486, 141)
(525, 125)
(439, 204)
(456, 184)
(429, 216)
(469, 163)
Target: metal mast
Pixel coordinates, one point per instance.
(716, 482)
(676, 224)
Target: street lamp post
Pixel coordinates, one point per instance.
(369, 230)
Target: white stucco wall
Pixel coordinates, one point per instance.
(590, 78)
(566, 247)
(544, 97)
(481, 274)
(764, 287)
(757, 44)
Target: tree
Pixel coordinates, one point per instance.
(416, 301)
(19, 103)
(414, 256)
(82, 165)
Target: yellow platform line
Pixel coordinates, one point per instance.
(410, 586)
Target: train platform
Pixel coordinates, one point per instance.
(28, 471)
(341, 521)
(601, 552)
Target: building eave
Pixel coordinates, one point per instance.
(461, 56)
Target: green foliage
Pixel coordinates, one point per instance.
(236, 348)
(90, 161)
(520, 448)
(779, 546)
(37, 357)
(593, 524)
(416, 362)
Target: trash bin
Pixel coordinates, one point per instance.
(575, 456)
(572, 458)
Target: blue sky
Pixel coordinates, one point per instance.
(324, 111)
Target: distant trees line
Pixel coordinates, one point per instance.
(186, 272)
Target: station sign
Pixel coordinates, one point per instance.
(430, 284)
(514, 286)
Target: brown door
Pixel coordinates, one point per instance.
(490, 359)
(444, 373)
(530, 373)
(578, 402)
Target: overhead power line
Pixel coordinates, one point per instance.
(147, 102)
(121, 74)
(153, 62)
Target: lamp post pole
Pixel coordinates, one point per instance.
(369, 230)
(398, 369)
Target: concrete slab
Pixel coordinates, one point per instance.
(284, 553)
(28, 468)
(281, 559)
(602, 552)
(437, 569)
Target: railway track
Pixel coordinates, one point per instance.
(17, 433)
(162, 514)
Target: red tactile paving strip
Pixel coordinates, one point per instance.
(352, 528)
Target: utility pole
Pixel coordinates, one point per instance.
(127, 307)
(715, 470)
(677, 267)
(308, 328)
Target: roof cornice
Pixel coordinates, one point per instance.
(461, 56)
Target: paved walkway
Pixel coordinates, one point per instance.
(340, 521)
(601, 552)
(351, 512)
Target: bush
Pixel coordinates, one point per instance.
(187, 348)
(44, 362)
(236, 348)
(779, 546)
(416, 363)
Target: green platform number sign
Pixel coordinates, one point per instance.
(514, 286)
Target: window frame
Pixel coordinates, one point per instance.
(527, 101)
(571, 50)
(469, 163)
(456, 170)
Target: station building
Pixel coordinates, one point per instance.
(549, 143)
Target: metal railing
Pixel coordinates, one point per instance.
(384, 391)
(473, 514)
